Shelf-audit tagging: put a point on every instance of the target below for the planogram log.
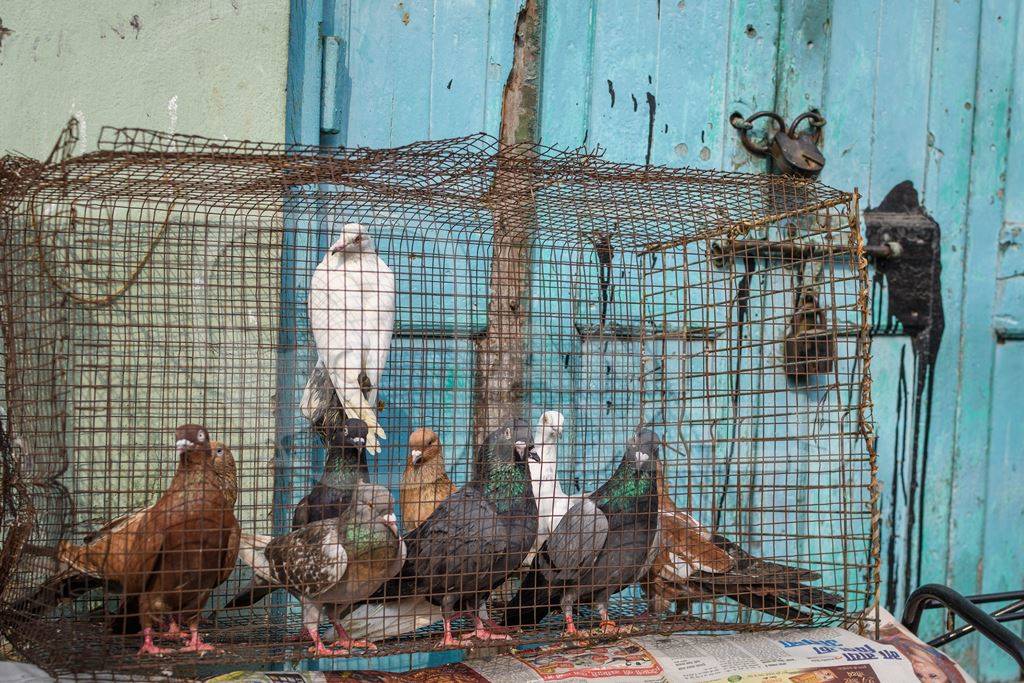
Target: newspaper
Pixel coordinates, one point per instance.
(807, 655)
(799, 655)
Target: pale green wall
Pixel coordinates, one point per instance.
(211, 67)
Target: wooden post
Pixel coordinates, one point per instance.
(501, 352)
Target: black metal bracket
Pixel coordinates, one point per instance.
(934, 595)
(915, 297)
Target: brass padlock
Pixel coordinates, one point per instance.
(810, 346)
(792, 152)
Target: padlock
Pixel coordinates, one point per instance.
(810, 346)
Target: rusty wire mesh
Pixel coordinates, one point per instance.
(164, 280)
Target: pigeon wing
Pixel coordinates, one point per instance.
(309, 560)
(578, 538)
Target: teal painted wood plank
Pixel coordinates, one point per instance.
(1014, 199)
(1009, 313)
(1003, 561)
(559, 287)
(687, 85)
(501, 26)
(985, 208)
(608, 409)
(458, 81)
(849, 94)
(901, 99)
(945, 195)
(446, 278)
(567, 79)
(390, 63)
(899, 146)
(336, 97)
(624, 66)
(302, 113)
(428, 383)
(804, 43)
(753, 47)
(892, 393)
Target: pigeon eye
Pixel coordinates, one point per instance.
(344, 431)
(200, 436)
(220, 451)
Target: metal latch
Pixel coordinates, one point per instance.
(792, 152)
(904, 241)
(329, 119)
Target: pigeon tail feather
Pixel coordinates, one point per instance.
(251, 549)
(376, 621)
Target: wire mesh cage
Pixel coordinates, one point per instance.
(274, 400)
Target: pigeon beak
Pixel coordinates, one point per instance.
(641, 458)
(359, 441)
(417, 456)
(392, 523)
(181, 444)
(534, 456)
(521, 448)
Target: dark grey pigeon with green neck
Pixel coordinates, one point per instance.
(603, 544)
(477, 537)
(344, 468)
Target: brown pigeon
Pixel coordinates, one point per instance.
(693, 564)
(172, 555)
(424, 481)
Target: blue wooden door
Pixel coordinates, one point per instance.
(919, 91)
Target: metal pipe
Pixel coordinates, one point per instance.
(725, 249)
(1011, 612)
(985, 623)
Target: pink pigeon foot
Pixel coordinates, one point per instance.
(570, 626)
(345, 640)
(319, 649)
(195, 643)
(448, 639)
(148, 647)
(482, 632)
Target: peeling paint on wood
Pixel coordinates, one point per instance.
(501, 353)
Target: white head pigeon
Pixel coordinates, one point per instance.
(552, 501)
(352, 315)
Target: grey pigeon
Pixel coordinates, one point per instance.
(472, 542)
(603, 544)
(333, 563)
(344, 468)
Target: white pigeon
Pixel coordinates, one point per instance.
(552, 501)
(352, 315)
